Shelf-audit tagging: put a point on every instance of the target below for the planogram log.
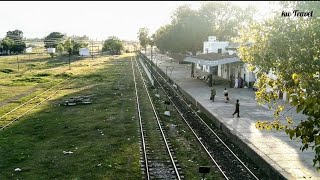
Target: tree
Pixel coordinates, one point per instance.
(18, 45)
(7, 44)
(69, 44)
(113, 44)
(77, 45)
(60, 48)
(290, 48)
(53, 39)
(225, 19)
(190, 28)
(162, 39)
(143, 37)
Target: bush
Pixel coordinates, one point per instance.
(8, 71)
(64, 74)
(42, 74)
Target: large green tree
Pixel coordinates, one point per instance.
(143, 37)
(289, 46)
(18, 45)
(113, 44)
(53, 39)
(190, 28)
(162, 40)
(225, 19)
(7, 44)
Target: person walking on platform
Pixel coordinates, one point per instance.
(237, 109)
(225, 92)
(213, 94)
(236, 83)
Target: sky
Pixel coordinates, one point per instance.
(96, 19)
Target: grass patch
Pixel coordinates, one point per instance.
(30, 80)
(64, 75)
(102, 136)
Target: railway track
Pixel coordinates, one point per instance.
(229, 164)
(157, 155)
(16, 113)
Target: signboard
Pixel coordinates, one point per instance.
(51, 50)
(84, 52)
(29, 50)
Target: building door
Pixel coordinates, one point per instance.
(214, 70)
(233, 73)
(244, 79)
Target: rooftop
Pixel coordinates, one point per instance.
(178, 56)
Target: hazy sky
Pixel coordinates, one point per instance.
(97, 19)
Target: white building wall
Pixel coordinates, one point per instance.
(224, 71)
(219, 71)
(212, 47)
(51, 50)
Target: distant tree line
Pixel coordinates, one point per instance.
(14, 43)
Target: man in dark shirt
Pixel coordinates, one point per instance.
(213, 94)
(237, 109)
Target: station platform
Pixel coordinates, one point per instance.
(273, 151)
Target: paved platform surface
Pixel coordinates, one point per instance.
(275, 147)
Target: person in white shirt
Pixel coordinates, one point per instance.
(236, 83)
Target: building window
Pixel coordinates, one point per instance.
(220, 51)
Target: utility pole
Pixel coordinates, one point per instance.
(69, 62)
(92, 49)
(18, 62)
(69, 55)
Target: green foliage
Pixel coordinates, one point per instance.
(69, 44)
(28, 80)
(64, 75)
(225, 19)
(77, 45)
(7, 44)
(113, 44)
(53, 39)
(290, 48)
(60, 48)
(42, 74)
(143, 37)
(190, 28)
(13, 42)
